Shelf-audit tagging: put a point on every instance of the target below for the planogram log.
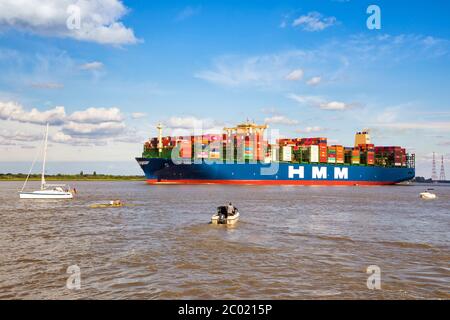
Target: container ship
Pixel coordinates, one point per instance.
(242, 155)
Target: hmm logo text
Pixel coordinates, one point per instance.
(318, 173)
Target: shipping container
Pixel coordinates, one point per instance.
(314, 153)
(214, 155)
(286, 153)
(311, 141)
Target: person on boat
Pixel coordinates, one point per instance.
(230, 209)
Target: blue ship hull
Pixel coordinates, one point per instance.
(164, 171)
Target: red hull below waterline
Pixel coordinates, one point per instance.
(271, 182)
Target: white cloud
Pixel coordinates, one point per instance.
(295, 75)
(97, 115)
(57, 116)
(94, 65)
(138, 115)
(99, 19)
(334, 105)
(314, 21)
(396, 48)
(310, 129)
(261, 71)
(321, 103)
(17, 135)
(310, 100)
(314, 81)
(92, 126)
(190, 122)
(60, 137)
(333, 60)
(107, 129)
(281, 120)
(14, 111)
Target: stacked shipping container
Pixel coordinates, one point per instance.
(390, 155)
(252, 146)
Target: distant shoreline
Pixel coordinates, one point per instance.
(66, 177)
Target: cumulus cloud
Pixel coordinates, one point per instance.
(295, 75)
(321, 103)
(314, 21)
(96, 115)
(14, 111)
(314, 81)
(94, 65)
(281, 120)
(103, 129)
(100, 20)
(57, 116)
(92, 126)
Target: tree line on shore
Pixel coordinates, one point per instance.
(80, 176)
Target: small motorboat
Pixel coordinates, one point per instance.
(111, 204)
(221, 217)
(427, 195)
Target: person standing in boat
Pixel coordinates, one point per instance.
(230, 209)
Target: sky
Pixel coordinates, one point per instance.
(103, 73)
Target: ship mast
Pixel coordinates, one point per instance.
(44, 160)
(160, 144)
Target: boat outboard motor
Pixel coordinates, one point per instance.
(222, 211)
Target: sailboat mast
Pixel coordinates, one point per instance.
(44, 160)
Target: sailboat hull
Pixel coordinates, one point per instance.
(46, 194)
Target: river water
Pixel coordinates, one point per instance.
(291, 243)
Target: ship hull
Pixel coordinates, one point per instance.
(164, 171)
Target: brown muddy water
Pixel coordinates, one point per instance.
(291, 243)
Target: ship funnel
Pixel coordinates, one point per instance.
(362, 137)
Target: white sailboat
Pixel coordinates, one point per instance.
(47, 191)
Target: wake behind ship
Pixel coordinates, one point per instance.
(241, 155)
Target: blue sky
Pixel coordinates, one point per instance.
(307, 68)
